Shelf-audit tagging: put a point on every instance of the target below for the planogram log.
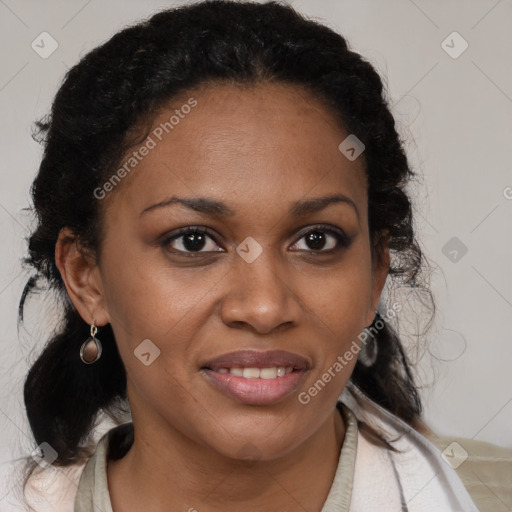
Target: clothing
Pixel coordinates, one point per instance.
(416, 479)
(486, 473)
(93, 493)
(368, 477)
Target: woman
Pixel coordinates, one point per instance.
(220, 202)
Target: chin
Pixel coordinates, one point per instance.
(256, 447)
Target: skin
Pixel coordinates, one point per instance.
(259, 150)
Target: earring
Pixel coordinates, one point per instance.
(91, 349)
(368, 353)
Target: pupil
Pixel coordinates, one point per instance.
(192, 245)
(315, 240)
(195, 241)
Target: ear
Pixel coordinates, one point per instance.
(380, 268)
(81, 277)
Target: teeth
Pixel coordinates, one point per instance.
(251, 373)
(258, 373)
(269, 373)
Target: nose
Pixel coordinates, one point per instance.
(260, 297)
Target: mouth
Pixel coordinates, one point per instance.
(272, 372)
(256, 378)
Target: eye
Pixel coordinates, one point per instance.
(191, 240)
(323, 239)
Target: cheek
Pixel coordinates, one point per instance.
(339, 304)
(158, 311)
(341, 296)
(145, 299)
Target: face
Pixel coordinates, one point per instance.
(218, 251)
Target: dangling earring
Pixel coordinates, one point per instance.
(368, 353)
(91, 349)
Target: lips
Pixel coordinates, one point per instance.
(256, 378)
(256, 359)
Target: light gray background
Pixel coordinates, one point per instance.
(455, 114)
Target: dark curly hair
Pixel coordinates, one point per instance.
(105, 103)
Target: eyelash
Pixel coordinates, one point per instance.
(342, 239)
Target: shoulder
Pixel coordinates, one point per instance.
(57, 489)
(53, 489)
(410, 469)
(484, 468)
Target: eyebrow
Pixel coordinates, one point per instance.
(218, 208)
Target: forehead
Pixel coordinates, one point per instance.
(272, 142)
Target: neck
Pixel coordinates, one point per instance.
(189, 477)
